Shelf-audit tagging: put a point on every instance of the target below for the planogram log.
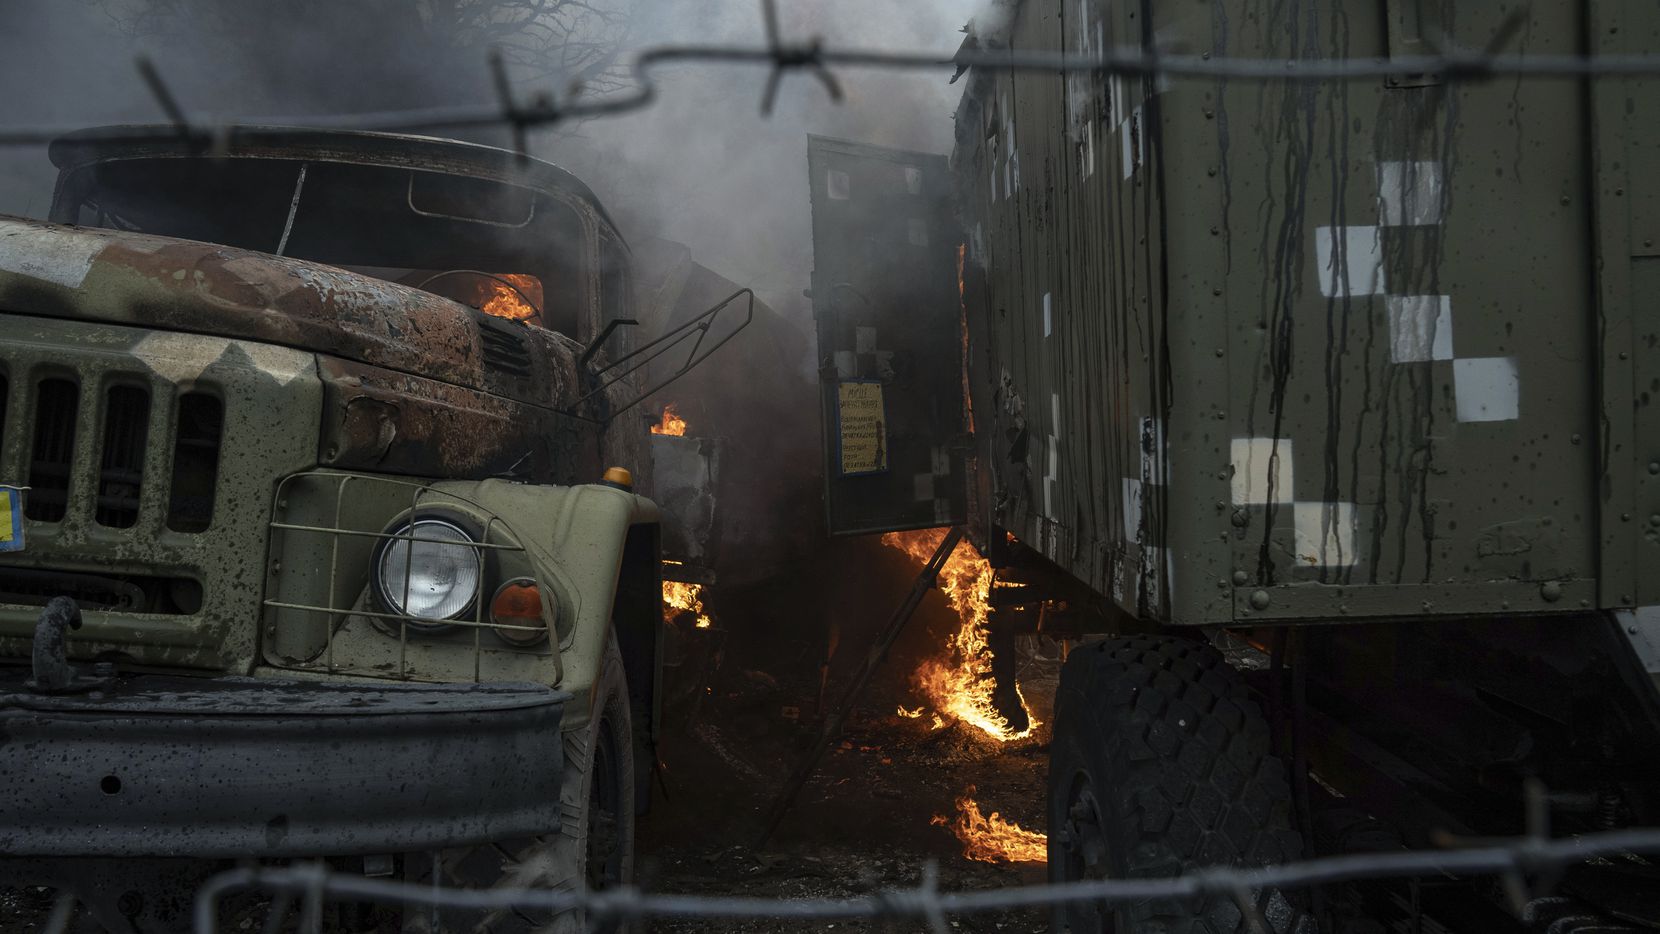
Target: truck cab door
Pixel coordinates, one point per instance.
(888, 313)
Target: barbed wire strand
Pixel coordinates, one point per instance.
(1520, 857)
(1451, 63)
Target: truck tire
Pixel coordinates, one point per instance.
(594, 847)
(1159, 764)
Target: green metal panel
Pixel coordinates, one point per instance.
(1410, 334)
(1265, 351)
(1067, 222)
(885, 300)
(1626, 193)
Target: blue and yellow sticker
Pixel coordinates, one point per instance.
(11, 519)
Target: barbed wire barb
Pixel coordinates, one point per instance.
(1508, 29)
(164, 96)
(1247, 905)
(809, 56)
(278, 913)
(63, 911)
(927, 891)
(504, 96)
(316, 878)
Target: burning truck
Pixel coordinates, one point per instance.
(1350, 379)
(318, 531)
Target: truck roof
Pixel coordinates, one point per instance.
(356, 147)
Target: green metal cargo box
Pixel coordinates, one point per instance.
(1244, 351)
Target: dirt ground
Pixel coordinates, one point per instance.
(866, 819)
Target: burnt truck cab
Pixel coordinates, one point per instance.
(306, 548)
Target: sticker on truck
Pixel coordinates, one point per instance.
(11, 518)
(862, 426)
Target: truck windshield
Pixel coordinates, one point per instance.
(503, 249)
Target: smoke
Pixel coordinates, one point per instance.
(701, 167)
(705, 168)
(669, 169)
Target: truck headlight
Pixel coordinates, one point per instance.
(429, 569)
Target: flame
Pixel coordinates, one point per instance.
(504, 301)
(992, 839)
(681, 597)
(916, 714)
(959, 681)
(672, 423)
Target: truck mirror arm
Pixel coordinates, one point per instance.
(698, 327)
(605, 335)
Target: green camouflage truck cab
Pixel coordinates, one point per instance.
(1359, 372)
(306, 549)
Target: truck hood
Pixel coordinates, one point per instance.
(164, 283)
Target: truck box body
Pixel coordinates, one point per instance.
(1246, 351)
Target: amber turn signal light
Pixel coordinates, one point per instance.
(518, 603)
(619, 477)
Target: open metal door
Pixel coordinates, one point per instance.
(889, 321)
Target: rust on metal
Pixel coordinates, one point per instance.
(378, 420)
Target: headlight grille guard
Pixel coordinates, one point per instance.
(349, 540)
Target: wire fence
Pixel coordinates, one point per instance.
(781, 56)
(1525, 865)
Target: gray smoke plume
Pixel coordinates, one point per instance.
(705, 168)
(701, 166)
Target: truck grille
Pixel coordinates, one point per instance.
(195, 462)
(50, 458)
(46, 426)
(121, 475)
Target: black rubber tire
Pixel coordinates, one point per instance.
(595, 843)
(1160, 763)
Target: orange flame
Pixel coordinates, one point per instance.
(672, 423)
(916, 714)
(505, 301)
(681, 597)
(959, 681)
(992, 839)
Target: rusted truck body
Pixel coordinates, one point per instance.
(307, 552)
(1356, 371)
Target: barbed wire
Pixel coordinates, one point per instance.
(1515, 860)
(781, 56)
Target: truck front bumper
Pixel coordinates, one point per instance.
(161, 766)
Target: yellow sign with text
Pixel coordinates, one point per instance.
(863, 422)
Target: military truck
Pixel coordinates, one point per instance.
(1356, 379)
(321, 538)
